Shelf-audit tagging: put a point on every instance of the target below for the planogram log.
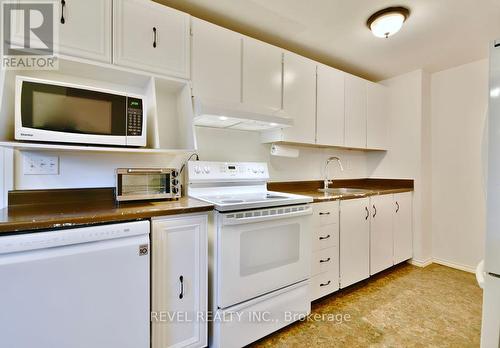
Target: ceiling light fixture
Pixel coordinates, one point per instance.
(387, 22)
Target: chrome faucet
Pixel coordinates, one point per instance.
(327, 182)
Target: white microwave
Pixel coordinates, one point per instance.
(62, 112)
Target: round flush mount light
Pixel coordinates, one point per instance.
(387, 22)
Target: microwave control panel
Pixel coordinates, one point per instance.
(134, 116)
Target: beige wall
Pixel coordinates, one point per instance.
(459, 114)
(232, 145)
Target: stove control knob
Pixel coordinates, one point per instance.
(255, 171)
(262, 171)
(197, 170)
(175, 182)
(206, 170)
(175, 190)
(175, 173)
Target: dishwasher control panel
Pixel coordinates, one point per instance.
(62, 237)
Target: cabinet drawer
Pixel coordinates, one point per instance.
(325, 236)
(326, 213)
(324, 284)
(325, 260)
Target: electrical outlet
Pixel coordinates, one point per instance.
(39, 164)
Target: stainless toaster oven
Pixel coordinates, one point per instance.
(147, 184)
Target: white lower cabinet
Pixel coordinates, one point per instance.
(357, 238)
(179, 281)
(402, 222)
(325, 252)
(381, 239)
(354, 241)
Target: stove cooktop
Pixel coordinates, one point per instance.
(235, 201)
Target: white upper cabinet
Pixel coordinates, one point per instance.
(216, 62)
(403, 231)
(330, 106)
(381, 240)
(85, 29)
(151, 37)
(262, 74)
(299, 98)
(376, 116)
(355, 112)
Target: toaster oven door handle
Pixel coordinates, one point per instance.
(145, 171)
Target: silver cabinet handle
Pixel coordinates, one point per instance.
(326, 284)
(397, 204)
(326, 260)
(181, 280)
(154, 37)
(367, 213)
(375, 211)
(327, 213)
(326, 237)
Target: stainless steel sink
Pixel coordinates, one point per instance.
(339, 191)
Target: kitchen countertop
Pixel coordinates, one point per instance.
(27, 217)
(325, 197)
(36, 210)
(372, 187)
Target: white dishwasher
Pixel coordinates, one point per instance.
(78, 288)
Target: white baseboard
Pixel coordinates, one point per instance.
(455, 265)
(429, 261)
(420, 263)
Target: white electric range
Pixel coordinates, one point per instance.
(259, 251)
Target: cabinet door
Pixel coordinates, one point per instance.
(381, 240)
(151, 37)
(330, 106)
(262, 72)
(299, 98)
(216, 62)
(376, 116)
(85, 29)
(403, 230)
(354, 241)
(355, 112)
(179, 281)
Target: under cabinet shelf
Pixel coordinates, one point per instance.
(84, 148)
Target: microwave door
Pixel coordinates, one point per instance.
(61, 113)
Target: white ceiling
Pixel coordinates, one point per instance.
(438, 34)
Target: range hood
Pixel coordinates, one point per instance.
(238, 116)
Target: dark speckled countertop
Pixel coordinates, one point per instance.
(52, 209)
(325, 197)
(371, 187)
(21, 218)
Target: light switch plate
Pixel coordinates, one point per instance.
(40, 164)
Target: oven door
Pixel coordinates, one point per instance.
(62, 112)
(260, 251)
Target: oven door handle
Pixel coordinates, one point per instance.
(252, 219)
(145, 171)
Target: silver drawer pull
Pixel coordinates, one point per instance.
(326, 260)
(326, 237)
(326, 284)
(327, 213)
